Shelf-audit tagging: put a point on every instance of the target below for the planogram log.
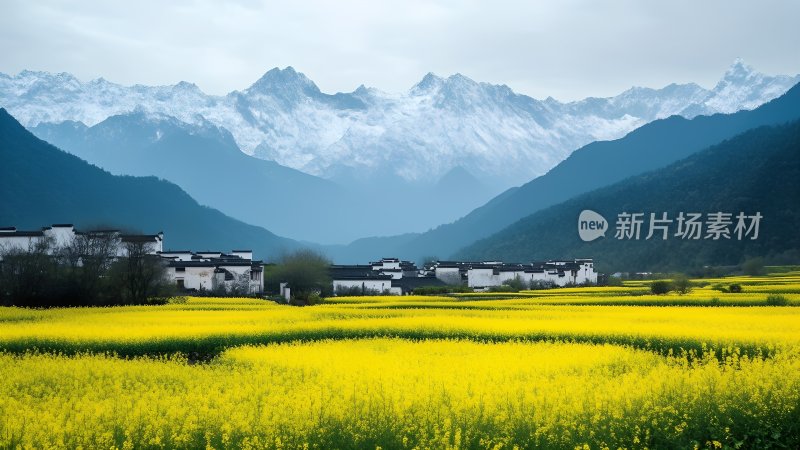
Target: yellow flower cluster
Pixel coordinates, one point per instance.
(394, 393)
(534, 371)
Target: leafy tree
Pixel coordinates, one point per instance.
(660, 287)
(682, 284)
(307, 273)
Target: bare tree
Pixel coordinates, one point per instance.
(86, 260)
(27, 274)
(141, 274)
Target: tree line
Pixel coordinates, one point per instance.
(94, 269)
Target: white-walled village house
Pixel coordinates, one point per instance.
(208, 270)
(62, 235)
(212, 271)
(393, 276)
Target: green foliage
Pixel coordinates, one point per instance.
(541, 284)
(306, 271)
(86, 272)
(777, 300)
(720, 287)
(753, 266)
(660, 287)
(681, 284)
(516, 284)
(735, 288)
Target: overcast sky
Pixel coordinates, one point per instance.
(566, 49)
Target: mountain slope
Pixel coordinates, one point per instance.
(599, 164)
(501, 137)
(207, 164)
(42, 185)
(758, 171)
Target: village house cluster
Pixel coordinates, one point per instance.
(199, 271)
(234, 272)
(237, 272)
(393, 276)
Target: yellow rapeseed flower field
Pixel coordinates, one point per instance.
(566, 368)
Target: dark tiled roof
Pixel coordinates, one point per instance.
(22, 233)
(139, 237)
(255, 265)
(365, 278)
(408, 284)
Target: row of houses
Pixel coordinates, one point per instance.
(487, 274)
(387, 276)
(63, 234)
(394, 276)
(235, 271)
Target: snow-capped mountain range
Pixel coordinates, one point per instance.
(501, 137)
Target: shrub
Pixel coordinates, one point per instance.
(516, 283)
(660, 287)
(542, 284)
(313, 298)
(777, 300)
(715, 301)
(719, 287)
(735, 288)
(682, 284)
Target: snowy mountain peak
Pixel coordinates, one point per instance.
(186, 86)
(288, 79)
(429, 82)
(493, 133)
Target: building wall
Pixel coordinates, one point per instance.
(62, 236)
(204, 278)
(481, 278)
(200, 278)
(484, 277)
(449, 275)
(8, 243)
